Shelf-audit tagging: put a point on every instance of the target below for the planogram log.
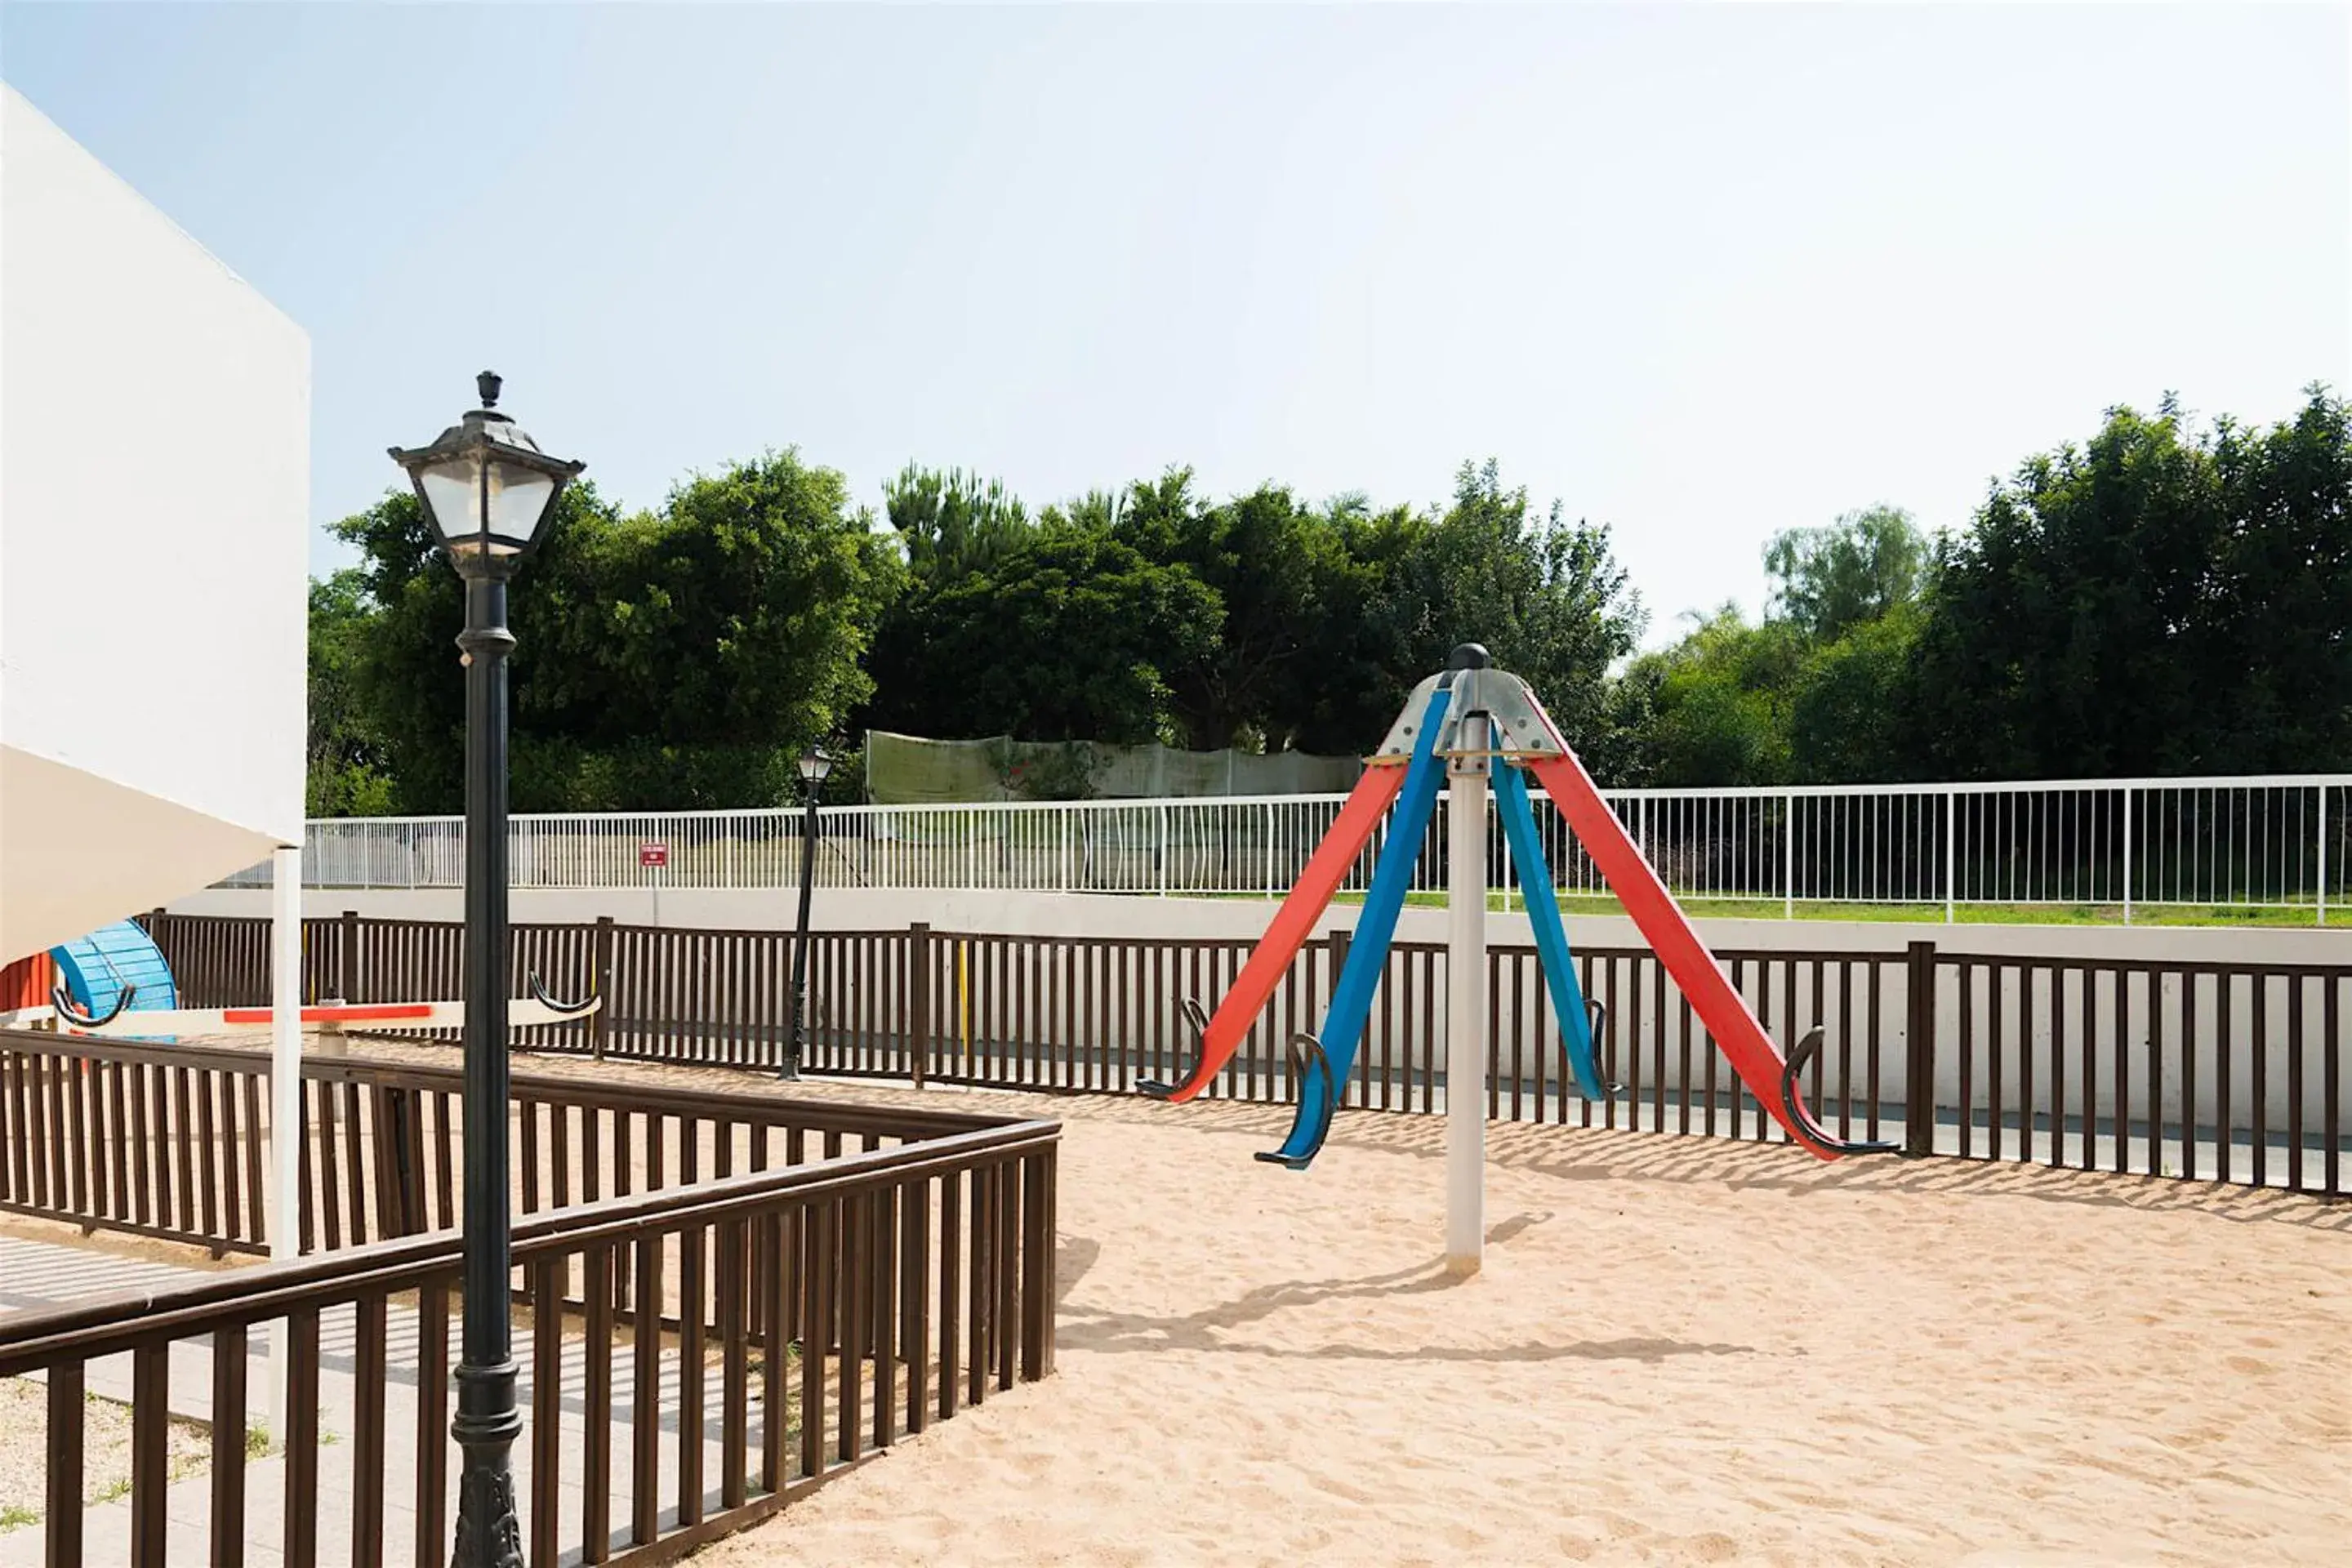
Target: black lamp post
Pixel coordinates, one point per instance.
(489, 492)
(815, 763)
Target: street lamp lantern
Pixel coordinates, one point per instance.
(489, 492)
(486, 487)
(815, 763)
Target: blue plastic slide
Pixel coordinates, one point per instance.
(1518, 816)
(1326, 1071)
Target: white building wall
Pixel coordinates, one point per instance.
(154, 507)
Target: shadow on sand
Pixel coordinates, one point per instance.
(1086, 1329)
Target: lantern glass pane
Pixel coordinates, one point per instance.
(453, 489)
(518, 498)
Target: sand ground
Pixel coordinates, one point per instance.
(1679, 1350)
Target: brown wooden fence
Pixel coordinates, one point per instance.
(2207, 1070)
(734, 1343)
(171, 1140)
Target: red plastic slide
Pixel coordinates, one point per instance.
(1722, 1009)
(1294, 922)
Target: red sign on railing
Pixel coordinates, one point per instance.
(652, 857)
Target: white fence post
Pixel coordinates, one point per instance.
(1504, 866)
(1269, 849)
(1789, 857)
(1951, 851)
(2127, 852)
(2323, 854)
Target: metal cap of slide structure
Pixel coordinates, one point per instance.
(1521, 730)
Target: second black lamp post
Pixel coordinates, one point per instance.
(815, 763)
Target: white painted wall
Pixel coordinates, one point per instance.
(154, 501)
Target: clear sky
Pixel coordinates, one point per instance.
(1701, 272)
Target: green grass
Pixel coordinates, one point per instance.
(1912, 914)
(16, 1516)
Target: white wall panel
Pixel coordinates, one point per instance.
(154, 507)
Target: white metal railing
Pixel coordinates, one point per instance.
(2256, 843)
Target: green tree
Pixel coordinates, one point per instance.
(1820, 693)
(1715, 705)
(952, 523)
(1390, 594)
(1360, 639)
(1547, 598)
(1064, 639)
(740, 614)
(1850, 706)
(346, 774)
(1829, 580)
(2282, 628)
(1259, 553)
(2156, 602)
(406, 675)
(664, 659)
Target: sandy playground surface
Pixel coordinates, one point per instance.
(1680, 1351)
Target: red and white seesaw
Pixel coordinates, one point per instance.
(120, 1019)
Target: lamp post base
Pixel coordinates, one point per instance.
(489, 1535)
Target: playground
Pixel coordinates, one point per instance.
(1678, 1351)
(1622, 1351)
(913, 974)
(1444, 1338)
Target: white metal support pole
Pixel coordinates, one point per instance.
(1951, 856)
(1789, 857)
(2322, 852)
(1504, 871)
(1465, 1005)
(1269, 846)
(284, 1091)
(2127, 854)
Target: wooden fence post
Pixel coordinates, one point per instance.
(918, 1000)
(1919, 1052)
(1037, 1242)
(1338, 939)
(600, 984)
(350, 956)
